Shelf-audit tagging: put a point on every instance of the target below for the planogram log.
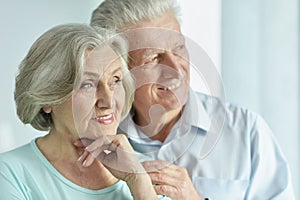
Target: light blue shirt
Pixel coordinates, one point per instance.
(228, 151)
(25, 174)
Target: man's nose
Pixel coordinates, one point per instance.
(172, 65)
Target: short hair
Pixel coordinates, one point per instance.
(54, 66)
(121, 14)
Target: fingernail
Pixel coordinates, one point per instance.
(79, 158)
(84, 163)
(77, 143)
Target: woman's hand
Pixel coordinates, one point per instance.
(117, 155)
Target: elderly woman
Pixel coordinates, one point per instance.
(74, 83)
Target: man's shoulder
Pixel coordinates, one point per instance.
(218, 105)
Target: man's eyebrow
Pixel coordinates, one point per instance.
(181, 39)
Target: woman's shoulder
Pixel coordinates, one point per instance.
(16, 151)
(21, 155)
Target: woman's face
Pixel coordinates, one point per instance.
(95, 108)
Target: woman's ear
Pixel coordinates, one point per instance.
(47, 109)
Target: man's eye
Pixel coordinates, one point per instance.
(152, 59)
(180, 47)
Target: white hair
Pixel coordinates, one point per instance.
(120, 14)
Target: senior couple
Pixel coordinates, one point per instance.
(132, 67)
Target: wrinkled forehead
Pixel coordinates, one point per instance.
(100, 59)
(153, 38)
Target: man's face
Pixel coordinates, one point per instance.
(159, 62)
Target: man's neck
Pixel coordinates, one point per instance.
(158, 127)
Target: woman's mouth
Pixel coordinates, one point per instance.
(105, 119)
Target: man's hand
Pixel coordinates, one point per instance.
(171, 180)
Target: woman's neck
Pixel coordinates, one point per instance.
(63, 155)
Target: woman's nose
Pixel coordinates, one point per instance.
(104, 98)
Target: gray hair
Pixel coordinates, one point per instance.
(121, 14)
(54, 65)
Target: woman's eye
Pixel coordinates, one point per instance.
(87, 85)
(116, 80)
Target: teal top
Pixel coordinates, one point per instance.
(26, 174)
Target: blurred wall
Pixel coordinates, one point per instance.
(260, 66)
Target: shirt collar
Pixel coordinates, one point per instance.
(194, 114)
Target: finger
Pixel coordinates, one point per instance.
(119, 139)
(155, 165)
(101, 157)
(174, 183)
(88, 161)
(164, 167)
(114, 145)
(165, 179)
(119, 142)
(96, 152)
(90, 158)
(83, 156)
(85, 141)
(78, 143)
(166, 190)
(100, 141)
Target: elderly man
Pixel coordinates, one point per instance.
(195, 146)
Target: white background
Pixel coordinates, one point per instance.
(21, 22)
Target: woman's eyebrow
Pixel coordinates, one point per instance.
(116, 70)
(91, 74)
(96, 75)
